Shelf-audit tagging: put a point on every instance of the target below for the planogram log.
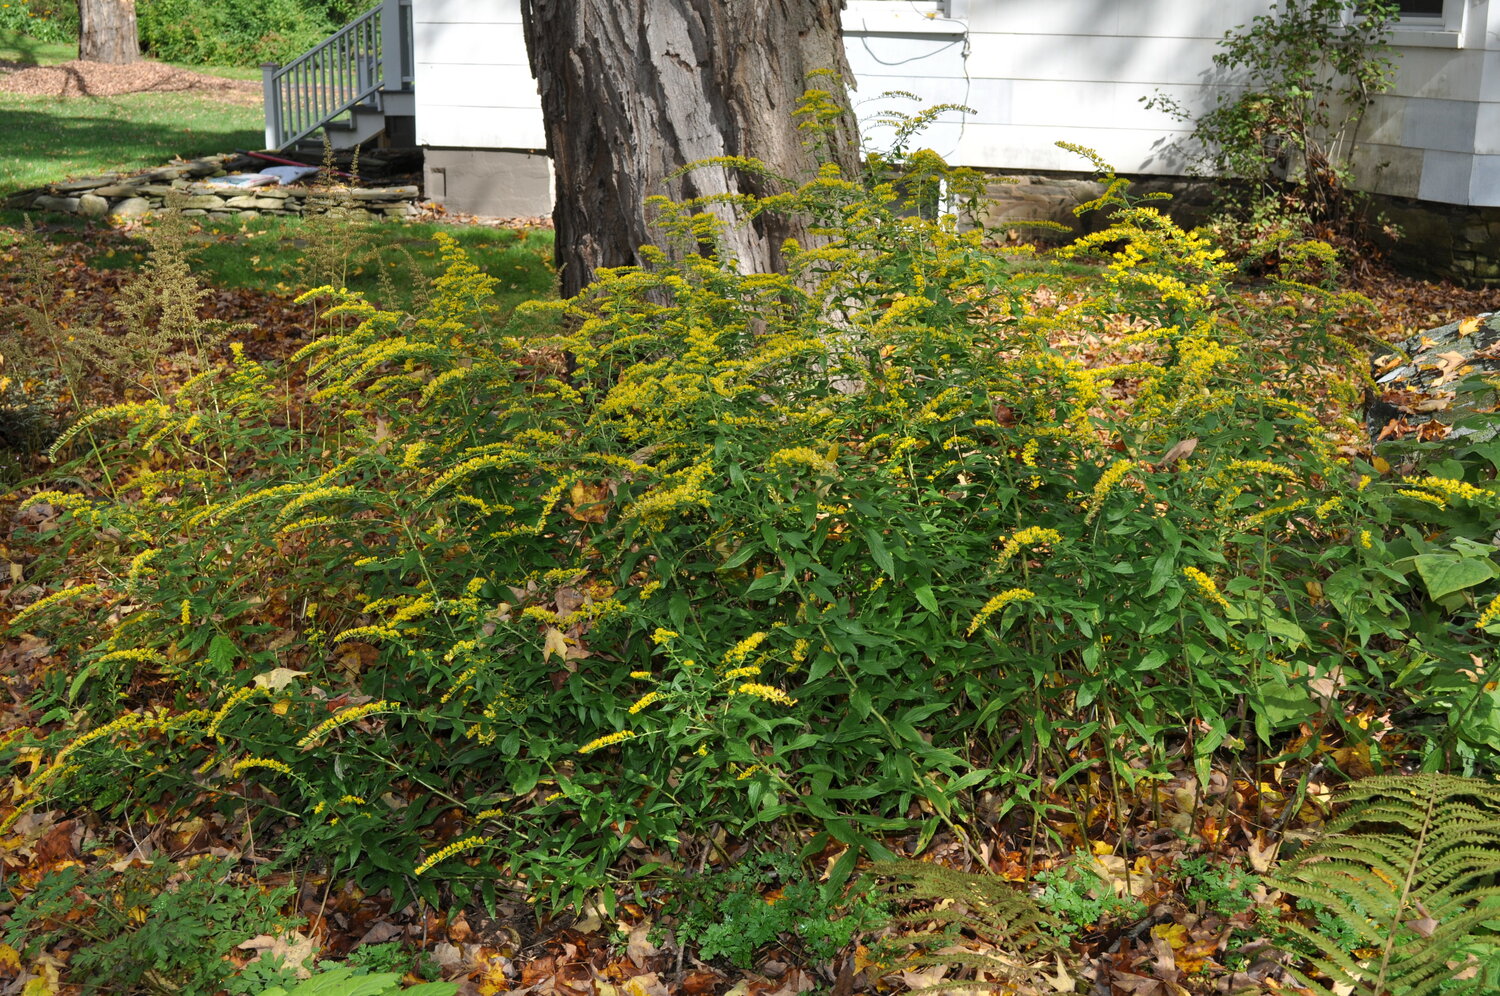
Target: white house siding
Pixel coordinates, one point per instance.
(473, 81)
(1035, 71)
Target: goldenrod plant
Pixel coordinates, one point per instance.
(467, 599)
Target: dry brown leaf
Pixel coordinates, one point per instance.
(293, 949)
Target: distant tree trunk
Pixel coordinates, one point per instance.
(632, 90)
(107, 31)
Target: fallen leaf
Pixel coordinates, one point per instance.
(554, 643)
(294, 949)
(639, 947)
(277, 678)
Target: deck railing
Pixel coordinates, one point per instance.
(349, 68)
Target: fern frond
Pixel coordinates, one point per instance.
(1409, 867)
(962, 907)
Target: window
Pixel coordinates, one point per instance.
(1420, 8)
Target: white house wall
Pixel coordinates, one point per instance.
(1035, 71)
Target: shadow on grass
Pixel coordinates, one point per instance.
(51, 139)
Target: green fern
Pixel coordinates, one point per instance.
(958, 908)
(1409, 868)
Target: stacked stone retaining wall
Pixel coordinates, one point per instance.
(186, 187)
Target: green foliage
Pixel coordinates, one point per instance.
(979, 923)
(50, 21)
(1076, 896)
(1225, 889)
(344, 981)
(1408, 872)
(1304, 73)
(761, 900)
(471, 594)
(158, 927)
(230, 32)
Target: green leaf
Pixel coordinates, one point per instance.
(926, 598)
(879, 553)
(222, 653)
(1444, 573)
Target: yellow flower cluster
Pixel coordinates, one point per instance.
(800, 456)
(997, 603)
(1206, 586)
(1364, 539)
(654, 508)
(139, 655)
(663, 635)
(744, 648)
(452, 850)
(129, 721)
(608, 740)
(768, 692)
(240, 695)
(645, 701)
(748, 671)
(1490, 614)
(1029, 537)
(1450, 487)
(267, 763)
(1430, 499)
(56, 598)
(344, 717)
(140, 564)
(1107, 482)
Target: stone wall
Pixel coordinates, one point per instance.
(1440, 240)
(186, 187)
(1018, 198)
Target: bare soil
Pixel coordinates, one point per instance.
(97, 79)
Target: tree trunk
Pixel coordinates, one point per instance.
(633, 90)
(107, 31)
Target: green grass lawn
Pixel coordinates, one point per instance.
(50, 138)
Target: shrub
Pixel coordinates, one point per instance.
(698, 549)
(44, 20)
(232, 32)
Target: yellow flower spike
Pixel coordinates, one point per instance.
(266, 763)
(452, 850)
(342, 718)
(230, 704)
(997, 603)
(608, 740)
(662, 636)
(644, 702)
(1107, 482)
(769, 693)
(1206, 586)
(56, 598)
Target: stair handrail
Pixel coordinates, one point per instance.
(346, 69)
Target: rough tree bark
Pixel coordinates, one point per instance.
(632, 90)
(107, 31)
